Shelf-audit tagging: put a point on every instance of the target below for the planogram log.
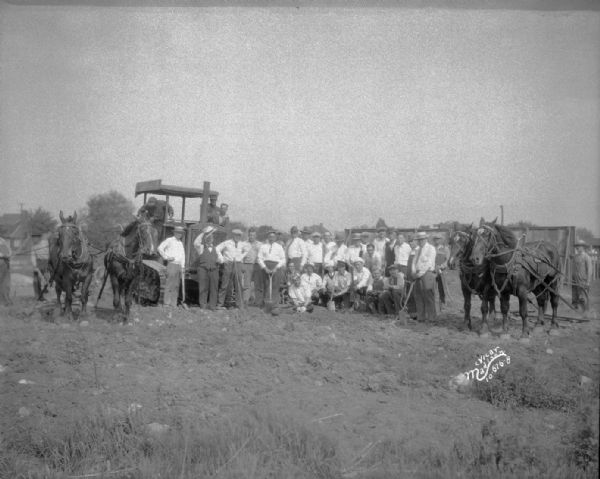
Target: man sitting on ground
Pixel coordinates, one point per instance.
(391, 299)
(361, 279)
(372, 259)
(378, 283)
(314, 282)
(300, 295)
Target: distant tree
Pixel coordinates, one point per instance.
(381, 223)
(40, 221)
(104, 213)
(584, 234)
(320, 228)
(523, 224)
(262, 231)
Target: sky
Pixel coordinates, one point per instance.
(339, 115)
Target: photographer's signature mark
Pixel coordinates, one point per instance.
(485, 367)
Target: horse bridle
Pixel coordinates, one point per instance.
(76, 241)
(141, 241)
(462, 235)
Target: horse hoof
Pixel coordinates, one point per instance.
(505, 336)
(525, 340)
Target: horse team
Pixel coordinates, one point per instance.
(491, 263)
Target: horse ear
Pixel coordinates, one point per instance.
(481, 221)
(75, 217)
(61, 216)
(495, 219)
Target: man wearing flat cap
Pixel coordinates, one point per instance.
(295, 249)
(172, 251)
(231, 252)
(582, 277)
(424, 271)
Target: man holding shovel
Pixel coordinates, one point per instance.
(271, 259)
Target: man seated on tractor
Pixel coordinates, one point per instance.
(156, 210)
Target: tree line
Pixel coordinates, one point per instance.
(103, 213)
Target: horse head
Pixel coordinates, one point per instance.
(460, 243)
(69, 238)
(147, 237)
(484, 242)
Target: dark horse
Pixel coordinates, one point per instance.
(518, 270)
(474, 279)
(71, 264)
(123, 262)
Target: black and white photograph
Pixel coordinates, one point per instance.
(299, 239)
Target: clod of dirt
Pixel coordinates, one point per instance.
(25, 381)
(24, 412)
(2, 368)
(549, 351)
(584, 381)
(84, 323)
(157, 429)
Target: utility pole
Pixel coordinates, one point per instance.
(502, 214)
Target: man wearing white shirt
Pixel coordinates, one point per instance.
(271, 259)
(329, 249)
(379, 242)
(423, 270)
(314, 281)
(361, 278)
(251, 269)
(401, 253)
(172, 251)
(300, 295)
(232, 253)
(341, 250)
(295, 249)
(315, 252)
(354, 250)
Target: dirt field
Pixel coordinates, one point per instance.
(369, 396)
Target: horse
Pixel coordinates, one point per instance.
(519, 270)
(123, 262)
(70, 264)
(474, 279)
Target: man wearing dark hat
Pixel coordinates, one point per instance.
(231, 252)
(172, 251)
(582, 277)
(156, 211)
(271, 259)
(208, 269)
(296, 249)
(424, 271)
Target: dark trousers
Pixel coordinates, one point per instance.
(5, 281)
(391, 301)
(425, 297)
(208, 284)
(228, 283)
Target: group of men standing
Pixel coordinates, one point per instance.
(319, 269)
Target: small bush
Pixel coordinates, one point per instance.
(520, 386)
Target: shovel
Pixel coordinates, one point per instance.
(269, 304)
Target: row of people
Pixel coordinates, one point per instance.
(263, 266)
